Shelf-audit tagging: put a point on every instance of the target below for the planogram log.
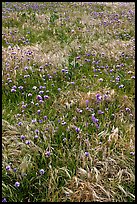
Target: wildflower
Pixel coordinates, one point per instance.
(100, 79)
(17, 184)
(128, 109)
(36, 131)
(29, 94)
(8, 168)
(39, 97)
(132, 153)
(95, 120)
(45, 117)
(121, 86)
(27, 142)
(59, 89)
(100, 112)
(4, 200)
(77, 129)
(87, 154)
(47, 154)
(13, 90)
(22, 137)
(38, 111)
(15, 169)
(98, 97)
(41, 171)
(41, 92)
(34, 121)
(87, 102)
(40, 121)
(20, 123)
(46, 97)
(36, 137)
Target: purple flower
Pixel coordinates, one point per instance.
(46, 97)
(30, 94)
(17, 184)
(36, 136)
(4, 200)
(40, 121)
(47, 154)
(41, 171)
(45, 117)
(27, 142)
(34, 121)
(59, 89)
(87, 154)
(20, 87)
(15, 169)
(98, 97)
(128, 109)
(100, 112)
(121, 86)
(39, 97)
(36, 131)
(8, 168)
(20, 123)
(38, 111)
(95, 120)
(41, 92)
(13, 90)
(87, 102)
(22, 137)
(77, 129)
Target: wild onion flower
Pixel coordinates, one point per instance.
(17, 184)
(41, 171)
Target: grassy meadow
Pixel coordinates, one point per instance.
(68, 102)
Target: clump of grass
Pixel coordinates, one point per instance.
(68, 111)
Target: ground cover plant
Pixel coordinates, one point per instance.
(68, 91)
